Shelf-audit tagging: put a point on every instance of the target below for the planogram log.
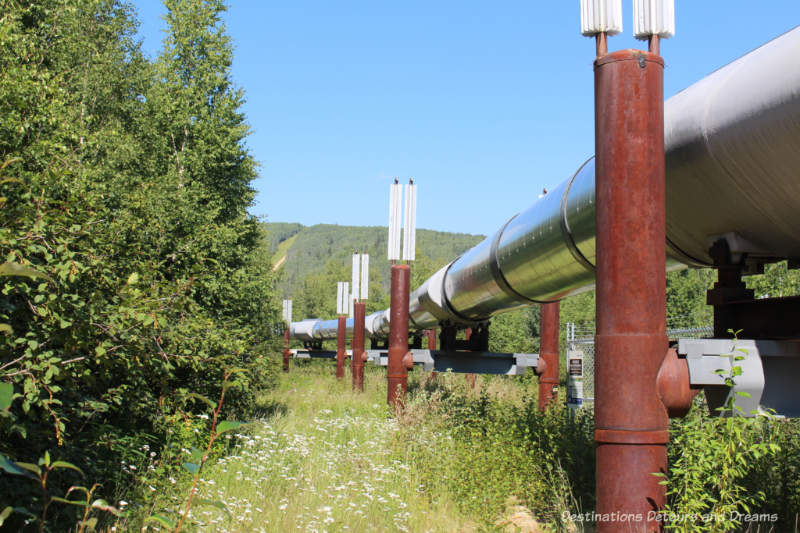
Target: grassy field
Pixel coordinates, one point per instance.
(458, 458)
(322, 459)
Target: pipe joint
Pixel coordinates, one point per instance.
(674, 387)
(540, 368)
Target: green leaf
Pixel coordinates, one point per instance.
(191, 467)
(227, 425)
(197, 455)
(31, 468)
(90, 523)
(11, 467)
(214, 503)
(64, 464)
(80, 503)
(133, 279)
(5, 328)
(202, 399)
(23, 511)
(5, 514)
(164, 521)
(82, 489)
(6, 396)
(104, 506)
(15, 269)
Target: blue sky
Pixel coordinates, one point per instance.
(482, 103)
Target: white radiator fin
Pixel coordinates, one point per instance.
(653, 17)
(598, 16)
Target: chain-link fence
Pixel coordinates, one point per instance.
(579, 356)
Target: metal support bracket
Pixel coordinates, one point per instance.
(315, 354)
(466, 362)
(770, 370)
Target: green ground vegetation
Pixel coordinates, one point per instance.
(320, 457)
(462, 458)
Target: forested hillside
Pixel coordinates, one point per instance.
(320, 255)
(135, 286)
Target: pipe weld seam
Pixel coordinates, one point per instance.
(449, 306)
(497, 273)
(566, 232)
(631, 436)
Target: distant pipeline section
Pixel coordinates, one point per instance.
(732, 143)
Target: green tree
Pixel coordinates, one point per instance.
(686, 297)
(126, 182)
(516, 331)
(777, 281)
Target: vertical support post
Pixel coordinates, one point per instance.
(729, 287)
(357, 346)
(469, 378)
(396, 371)
(431, 334)
(447, 338)
(548, 352)
(341, 346)
(631, 424)
(286, 352)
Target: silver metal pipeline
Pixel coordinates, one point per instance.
(315, 329)
(732, 145)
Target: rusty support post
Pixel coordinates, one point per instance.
(431, 334)
(286, 352)
(469, 378)
(631, 424)
(396, 371)
(548, 352)
(357, 346)
(341, 346)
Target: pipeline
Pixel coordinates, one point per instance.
(732, 143)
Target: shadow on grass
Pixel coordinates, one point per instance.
(270, 408)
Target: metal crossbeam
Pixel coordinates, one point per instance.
(770, 371)
(465, 362)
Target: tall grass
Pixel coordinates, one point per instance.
(461, 459)
(321, 460)
(490, 449)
